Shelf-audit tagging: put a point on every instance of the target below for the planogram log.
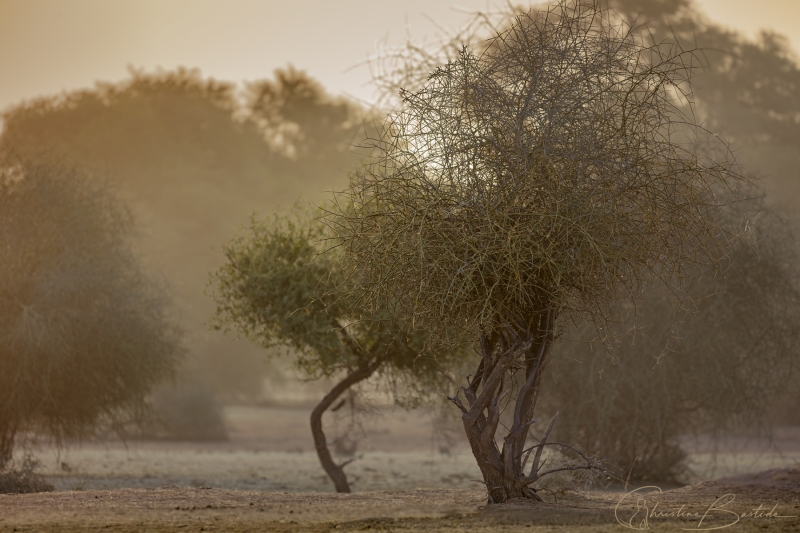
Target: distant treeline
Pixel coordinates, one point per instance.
(195, 157)
(748, 90)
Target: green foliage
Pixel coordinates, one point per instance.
(84, 333)
(282, 285)
(273, 289)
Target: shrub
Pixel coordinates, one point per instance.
(283, 286)
(22, 478)
(718, 368)
(187, 411)
(84, 333)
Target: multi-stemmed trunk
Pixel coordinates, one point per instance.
(504, 351)
(336, 471)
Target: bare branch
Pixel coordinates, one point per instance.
(591, 463)
(456, 400)
(535, 465)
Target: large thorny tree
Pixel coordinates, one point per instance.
(528, 185)
(282, 285)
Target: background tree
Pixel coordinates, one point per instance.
(192, 161)
(301, 121)
(745, 89)
(276, 288)
(84, 333)
(718, 368)
(531, 185)
(636, 412)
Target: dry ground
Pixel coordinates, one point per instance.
(271, 449)
(446, 510)
(406, 478)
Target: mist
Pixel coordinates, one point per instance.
(231, 136)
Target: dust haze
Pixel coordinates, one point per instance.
(186, 305)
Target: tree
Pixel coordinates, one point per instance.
(281, 285)
(746, 89)
(190, 155)
(632, 408)
(300, 120)
(718, 368)
(84, 334)
(526, 188)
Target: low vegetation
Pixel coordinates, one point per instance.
(22, 478)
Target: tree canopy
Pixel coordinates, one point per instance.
(84, 333)
(550, 171)
(282, 285)
(529, 184)
(193, 156)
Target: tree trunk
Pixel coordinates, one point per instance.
(335, 471)
(503, 469)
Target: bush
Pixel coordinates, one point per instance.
(186, 412)
(84, 333)
(719, 368)
(23, 479)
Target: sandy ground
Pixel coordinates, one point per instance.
(406, 477)
(770, 502)
(271, 449)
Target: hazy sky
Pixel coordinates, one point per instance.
(47, 46)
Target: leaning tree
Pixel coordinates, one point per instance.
(282, 285)
(85, 333)
(529, 185)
